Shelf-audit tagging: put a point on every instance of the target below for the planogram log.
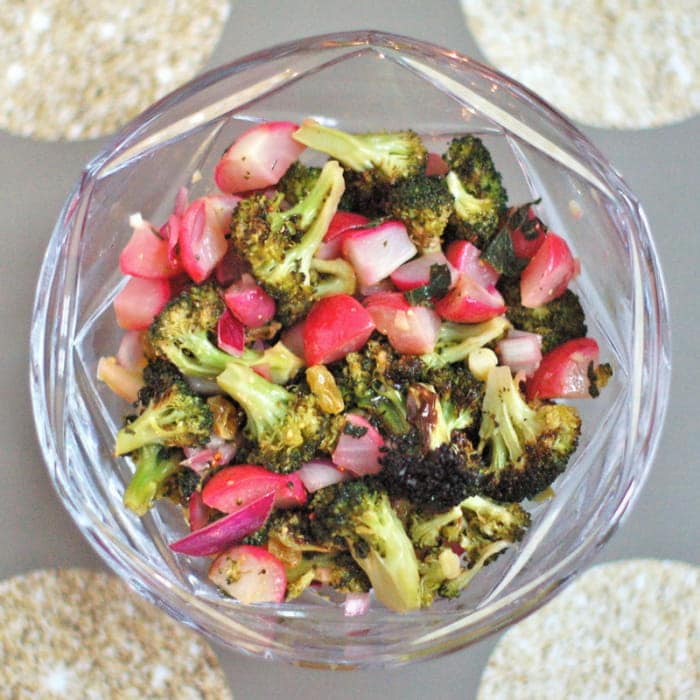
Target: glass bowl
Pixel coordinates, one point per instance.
(360, 82)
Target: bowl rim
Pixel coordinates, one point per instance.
(160, 589)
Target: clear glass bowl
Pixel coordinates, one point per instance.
(356, 81)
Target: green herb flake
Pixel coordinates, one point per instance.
(356, 431)
(438, 285)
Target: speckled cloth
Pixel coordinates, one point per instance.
(76, 69)
(629, 629)
(76, 633)
(624, 64)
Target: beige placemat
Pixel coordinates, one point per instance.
(629, 629)
(75, 633)
(625, 64)
(76, 69)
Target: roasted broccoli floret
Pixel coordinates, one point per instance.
(425, 205)
(155, 464)
(298, 181)
(437, 567)
(287, 425)
(557, 321)
(280, 245)
(456, 340)
(434, 464)
(359, 514)
(475, 184)
(173, 416)
(336, 569)
(525, 447)
(384, 156)
(364, 380)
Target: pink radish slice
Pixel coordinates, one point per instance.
(140, 301)
(521, 351)
(466, 258)
(198, 512)
(416, 272)
(230, 334)
(341, 223)
(227, 530)
(436, 165)
(249, 302)
(376, 252)
(469, 302)
(147, 254)
(258, 158)
(130, 353)
(250, 574)
(232, 487)
(359, 454)
(202, 235)
(548, 273)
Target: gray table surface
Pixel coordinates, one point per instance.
(661, 167)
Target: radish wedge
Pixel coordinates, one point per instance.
(197, 512)
(227, 530)
(249, 302)
(376, 252)
(320, 473)
(147, 254)
(341, 223)
(202, 235)
(335, 326)
(233, 487)
(466, 258)
(521, 351)
(416, 272)
(359, 447)
(566, 371)
(258, 158)
(469, 302)
(411, 330)
(139, 302)
(548, 273)
(250, 574)
(230, 334)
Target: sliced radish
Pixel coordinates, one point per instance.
(341, 223)
(565, 372)
(436, 165)
(359, 447)
(258, 158)
(202, 237)
(469, 302)
(521, 351)
(170, 231)
(197, 511)
(216, 453)
(147, 254)
(411, 330)
(233, 487)
(140, 302)
(376, 252)
(466, 258)
(356, 604)
(125, 383)
(249, 302)
(230, 334)
(416, 272)
(227, 530)
(548, 273)
(335, 326)
(525, 246)
(293, 339)
(320, 473)
(250, 574)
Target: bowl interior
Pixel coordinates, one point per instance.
(359, 82)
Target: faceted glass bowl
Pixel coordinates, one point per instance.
(359, 82)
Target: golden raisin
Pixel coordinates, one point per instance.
(324, 388)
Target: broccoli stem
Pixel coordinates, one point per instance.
(152, 469)
(264, 403)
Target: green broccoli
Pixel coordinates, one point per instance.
(437, 568)
(358, 512)
(286, 424)
(425, 205)
(155, 464)
(298, 181)
(525, 447)
(336, 569)
(385, 156)
(479, 196)
(280, 245)
(557, 321)
(173, 416)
